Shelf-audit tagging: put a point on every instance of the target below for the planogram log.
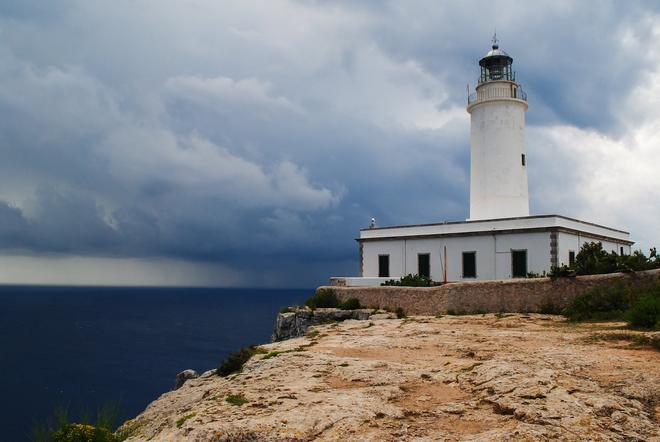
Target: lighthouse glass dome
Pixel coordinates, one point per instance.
(496, 65)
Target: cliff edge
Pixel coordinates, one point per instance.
(483, 377)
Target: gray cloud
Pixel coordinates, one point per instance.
(259, 137)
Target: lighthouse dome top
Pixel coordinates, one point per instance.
(496, 65)
(496, 52)
(496, 56)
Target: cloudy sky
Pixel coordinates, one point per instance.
(244, 143)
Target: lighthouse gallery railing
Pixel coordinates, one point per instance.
(498, 92)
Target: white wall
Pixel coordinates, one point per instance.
(538, 252)
(372, 249)
(493, 255)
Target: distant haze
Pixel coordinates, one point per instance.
(245, 143)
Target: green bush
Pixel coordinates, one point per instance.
(182, 420)
(400, 313)
(549, 308)
(83, 433)
(236, 399)
(350, 304)
(592, 260)
(604, 302)
(640, 306)
(323, 298)
(235, 361)
(411, 281)
(645, 312)
(561, 272)
(62, 430)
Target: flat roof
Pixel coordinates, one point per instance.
(503, 225)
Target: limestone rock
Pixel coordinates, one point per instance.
(293, 324)
(183, 376)
(477, 378)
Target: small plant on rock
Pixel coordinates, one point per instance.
(234, 362)
(65, 431)
(550, 308)
(323, 298)
(236, 399)
(350, 304)
(182, 420)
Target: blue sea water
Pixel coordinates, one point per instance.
(86, 347)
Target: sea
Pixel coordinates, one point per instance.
(81, 349)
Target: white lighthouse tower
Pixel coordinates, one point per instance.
(498, 171)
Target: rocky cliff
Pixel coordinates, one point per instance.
(296, 323)
(485, 377)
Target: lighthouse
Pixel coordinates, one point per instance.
(498, 165)
(500, 240)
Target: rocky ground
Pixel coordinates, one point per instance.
(490, 377)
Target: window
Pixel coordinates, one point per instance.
(519, 263)
(523, 159)
(469, 264)
(621, 250)
(383, 266)
(424, 265)
(571, 257)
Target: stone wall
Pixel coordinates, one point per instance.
(514, 295)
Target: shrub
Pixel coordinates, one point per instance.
(532, 275)
(411, 281)
(350, 304)
(400, 313)
(236, 399)
(182, 420)
(636, 339)
(561, 272)
(640, 306)
(235, 361)
(549, 308)
(323, 298)
(62, 430)
(605, 302)
(83, 433)
(645, 312)
(592, 260)
(635, 262)
(654, 341)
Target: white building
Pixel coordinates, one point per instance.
(500, 240)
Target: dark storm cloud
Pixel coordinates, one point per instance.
(264, 135)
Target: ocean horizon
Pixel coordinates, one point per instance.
(83, 348)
